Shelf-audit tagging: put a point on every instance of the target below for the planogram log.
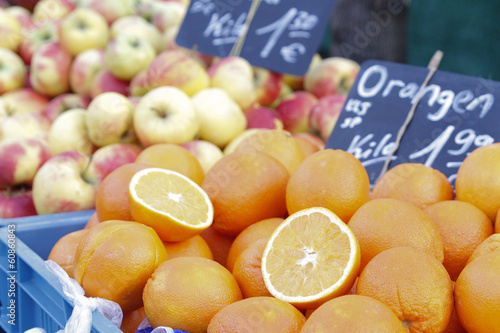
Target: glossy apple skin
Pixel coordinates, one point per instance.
(16, 203)
(295, 109)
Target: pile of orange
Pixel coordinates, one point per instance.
(272, 239)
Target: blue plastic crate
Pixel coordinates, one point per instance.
(50, 217)
(39, 299)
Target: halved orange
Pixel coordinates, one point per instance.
(310, 258)
(170, 203)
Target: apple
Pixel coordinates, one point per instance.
(294, 109)
(109, 119)
(135, 25)
(235, 76)
(69, 133)
(106, 159)
(24, 100)
(63, 103)
(263, 117)
(16, 203)
(28, 124)
(59, 186)
(205, 152)
(10, 30)
(105, 81)
(175, 68)
(12, 71)
(83, 29)
(221, 119)
(50, 67)
(126, 55)
(22, 15)
(84, 68)
(37, 35)
(331, 75)
(296, 82)
(165, 115)
(168, 14)
(325, 113)
(46, 10)
(111, 10)
(268, 85)
(20, 159)
(139, 84)
(309, 143)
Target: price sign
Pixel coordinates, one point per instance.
(455, 115)
(282, 36)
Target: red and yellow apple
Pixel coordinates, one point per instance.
(50, 68)
(325, 113)
(84, 68)
(12, 71)
(104, 81)
(294, 110)
(330, 76)
(263, 117)
(205, 152)
(69, 133)
(83, 29)
(64, 102)
(59, 185)
(10, 31)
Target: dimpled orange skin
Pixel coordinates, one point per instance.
(413, 284)
(353, 314)
(257, 315)
(245, 188)
(333, 179)
(478, 179)
(381, 224)
(477, 294)
(414, 183)
(186, 292)
(115, 259)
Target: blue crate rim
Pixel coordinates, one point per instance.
(39, 219)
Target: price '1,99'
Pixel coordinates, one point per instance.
(465, 139)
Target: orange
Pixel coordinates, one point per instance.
(63, 251)
(132, 320)
(172, 157)
(251, 234)
(257, 315)
(115, 259)
(245, 188)
(93, 220)
(414, 183)
(112, 194)
(333, 179)
(381, 224)
(218, 243)
(310, 258)
(170, 203)
(186, 292)
(478, 179)
(477, 294)
(454, 325)
(248, 273)
(413, 284)
(353, 314)
(277, 143)
(462, 227)
(490, 244)
(191, 247)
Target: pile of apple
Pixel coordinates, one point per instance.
(85, 85)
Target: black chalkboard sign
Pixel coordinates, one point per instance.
(283, 35)
(455, 115)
